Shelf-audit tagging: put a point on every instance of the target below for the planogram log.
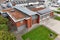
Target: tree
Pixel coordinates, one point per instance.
(3, 20)
(3, 27)
(3, 23)
(4, 35)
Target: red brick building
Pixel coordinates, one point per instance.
(22, 17)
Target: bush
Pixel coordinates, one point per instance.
(3, 20)
(58, 8)
(3, 23)
(3, 27)
(57, 12)
(57, 18)
(4, 35)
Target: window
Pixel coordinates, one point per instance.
(34, 17)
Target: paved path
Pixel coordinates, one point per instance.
(53, 25)
(57, 14)
(33, 26)
(19, 34)
(57, 38)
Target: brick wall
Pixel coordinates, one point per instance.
(51, 14)
(38, 20)
(18, 24)
(29, 22)
(34, 21)
(13, 23)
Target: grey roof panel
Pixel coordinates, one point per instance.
(46, 10)
(25, 10)
(34, 0)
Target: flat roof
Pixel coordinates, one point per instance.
(2, 1)
(35, 0)
(46, 10)
(37, 9)
(25, 10)
(15, 14)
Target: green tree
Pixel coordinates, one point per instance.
(3, 23)
(4, 35)
(3, 27)
(3, 20)
(58, 8)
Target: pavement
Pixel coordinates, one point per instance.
(53, 8)
(57, 38)
(57, 14)
(33, 27)
(52, 24)
(19, 34)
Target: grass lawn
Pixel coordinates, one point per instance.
(57, 12)
(58, 8)
(39, 33)
(57, 18)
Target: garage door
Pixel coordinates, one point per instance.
(21, 28)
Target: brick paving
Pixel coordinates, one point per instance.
(19, 34)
